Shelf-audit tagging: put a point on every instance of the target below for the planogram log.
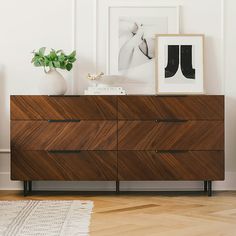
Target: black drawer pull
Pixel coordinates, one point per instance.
(64, 151)
(63, 120)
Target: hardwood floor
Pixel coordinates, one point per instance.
(149, 214)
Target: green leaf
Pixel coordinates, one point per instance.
(46, 61)
(73, 54)
(50, 64)
(62, 65)
(42, 51)
(56, 64)
(72, 60)
(37, 63)
(69, 66)
(61, 57)
(53, 55)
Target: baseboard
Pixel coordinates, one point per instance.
(5, 150)
(124, 186)
(228, 184)
(7, 184)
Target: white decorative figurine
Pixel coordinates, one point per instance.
(95, 76)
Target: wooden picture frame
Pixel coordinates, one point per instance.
(179, 63)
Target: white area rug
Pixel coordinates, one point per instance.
(45, 218)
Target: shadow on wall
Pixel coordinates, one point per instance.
(3, 106)
(230, 138)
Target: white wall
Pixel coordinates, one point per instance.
(29, 24)
(26, 25)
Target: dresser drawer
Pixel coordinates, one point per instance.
(171, 107)
(83, 135)
(189, 165)
(63, 108)
(43, 165)
(189, 135)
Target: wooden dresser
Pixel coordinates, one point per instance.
(117, 138)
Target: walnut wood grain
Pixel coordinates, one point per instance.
(151, 135)
(171, 107)
(85, 165)
(83, 135)
(190, 165)
(63, 107)
(187, 133)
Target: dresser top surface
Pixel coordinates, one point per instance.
(129, 95)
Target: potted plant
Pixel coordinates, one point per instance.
(53, 83)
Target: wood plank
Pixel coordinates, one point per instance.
(199, 107)
(43, 165)
(178, 214)
(83, 135)
(190, 165)
(190, 135)
(63, 107)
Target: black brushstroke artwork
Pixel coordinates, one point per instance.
(185, 60)
(173, 61)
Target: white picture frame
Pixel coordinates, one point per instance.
(180, 64)
(110, 11)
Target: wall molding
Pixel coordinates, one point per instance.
(95, 33)
(5, 150)
(228, 185)
(74, 38)
(223, 45)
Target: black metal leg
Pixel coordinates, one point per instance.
(30, 186)
(205, 186)
(117, 186)
(25, 188)
(209, 188)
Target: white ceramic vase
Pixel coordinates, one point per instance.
(53, 83)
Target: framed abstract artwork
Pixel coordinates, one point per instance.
(179, 64)
(131, 43)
